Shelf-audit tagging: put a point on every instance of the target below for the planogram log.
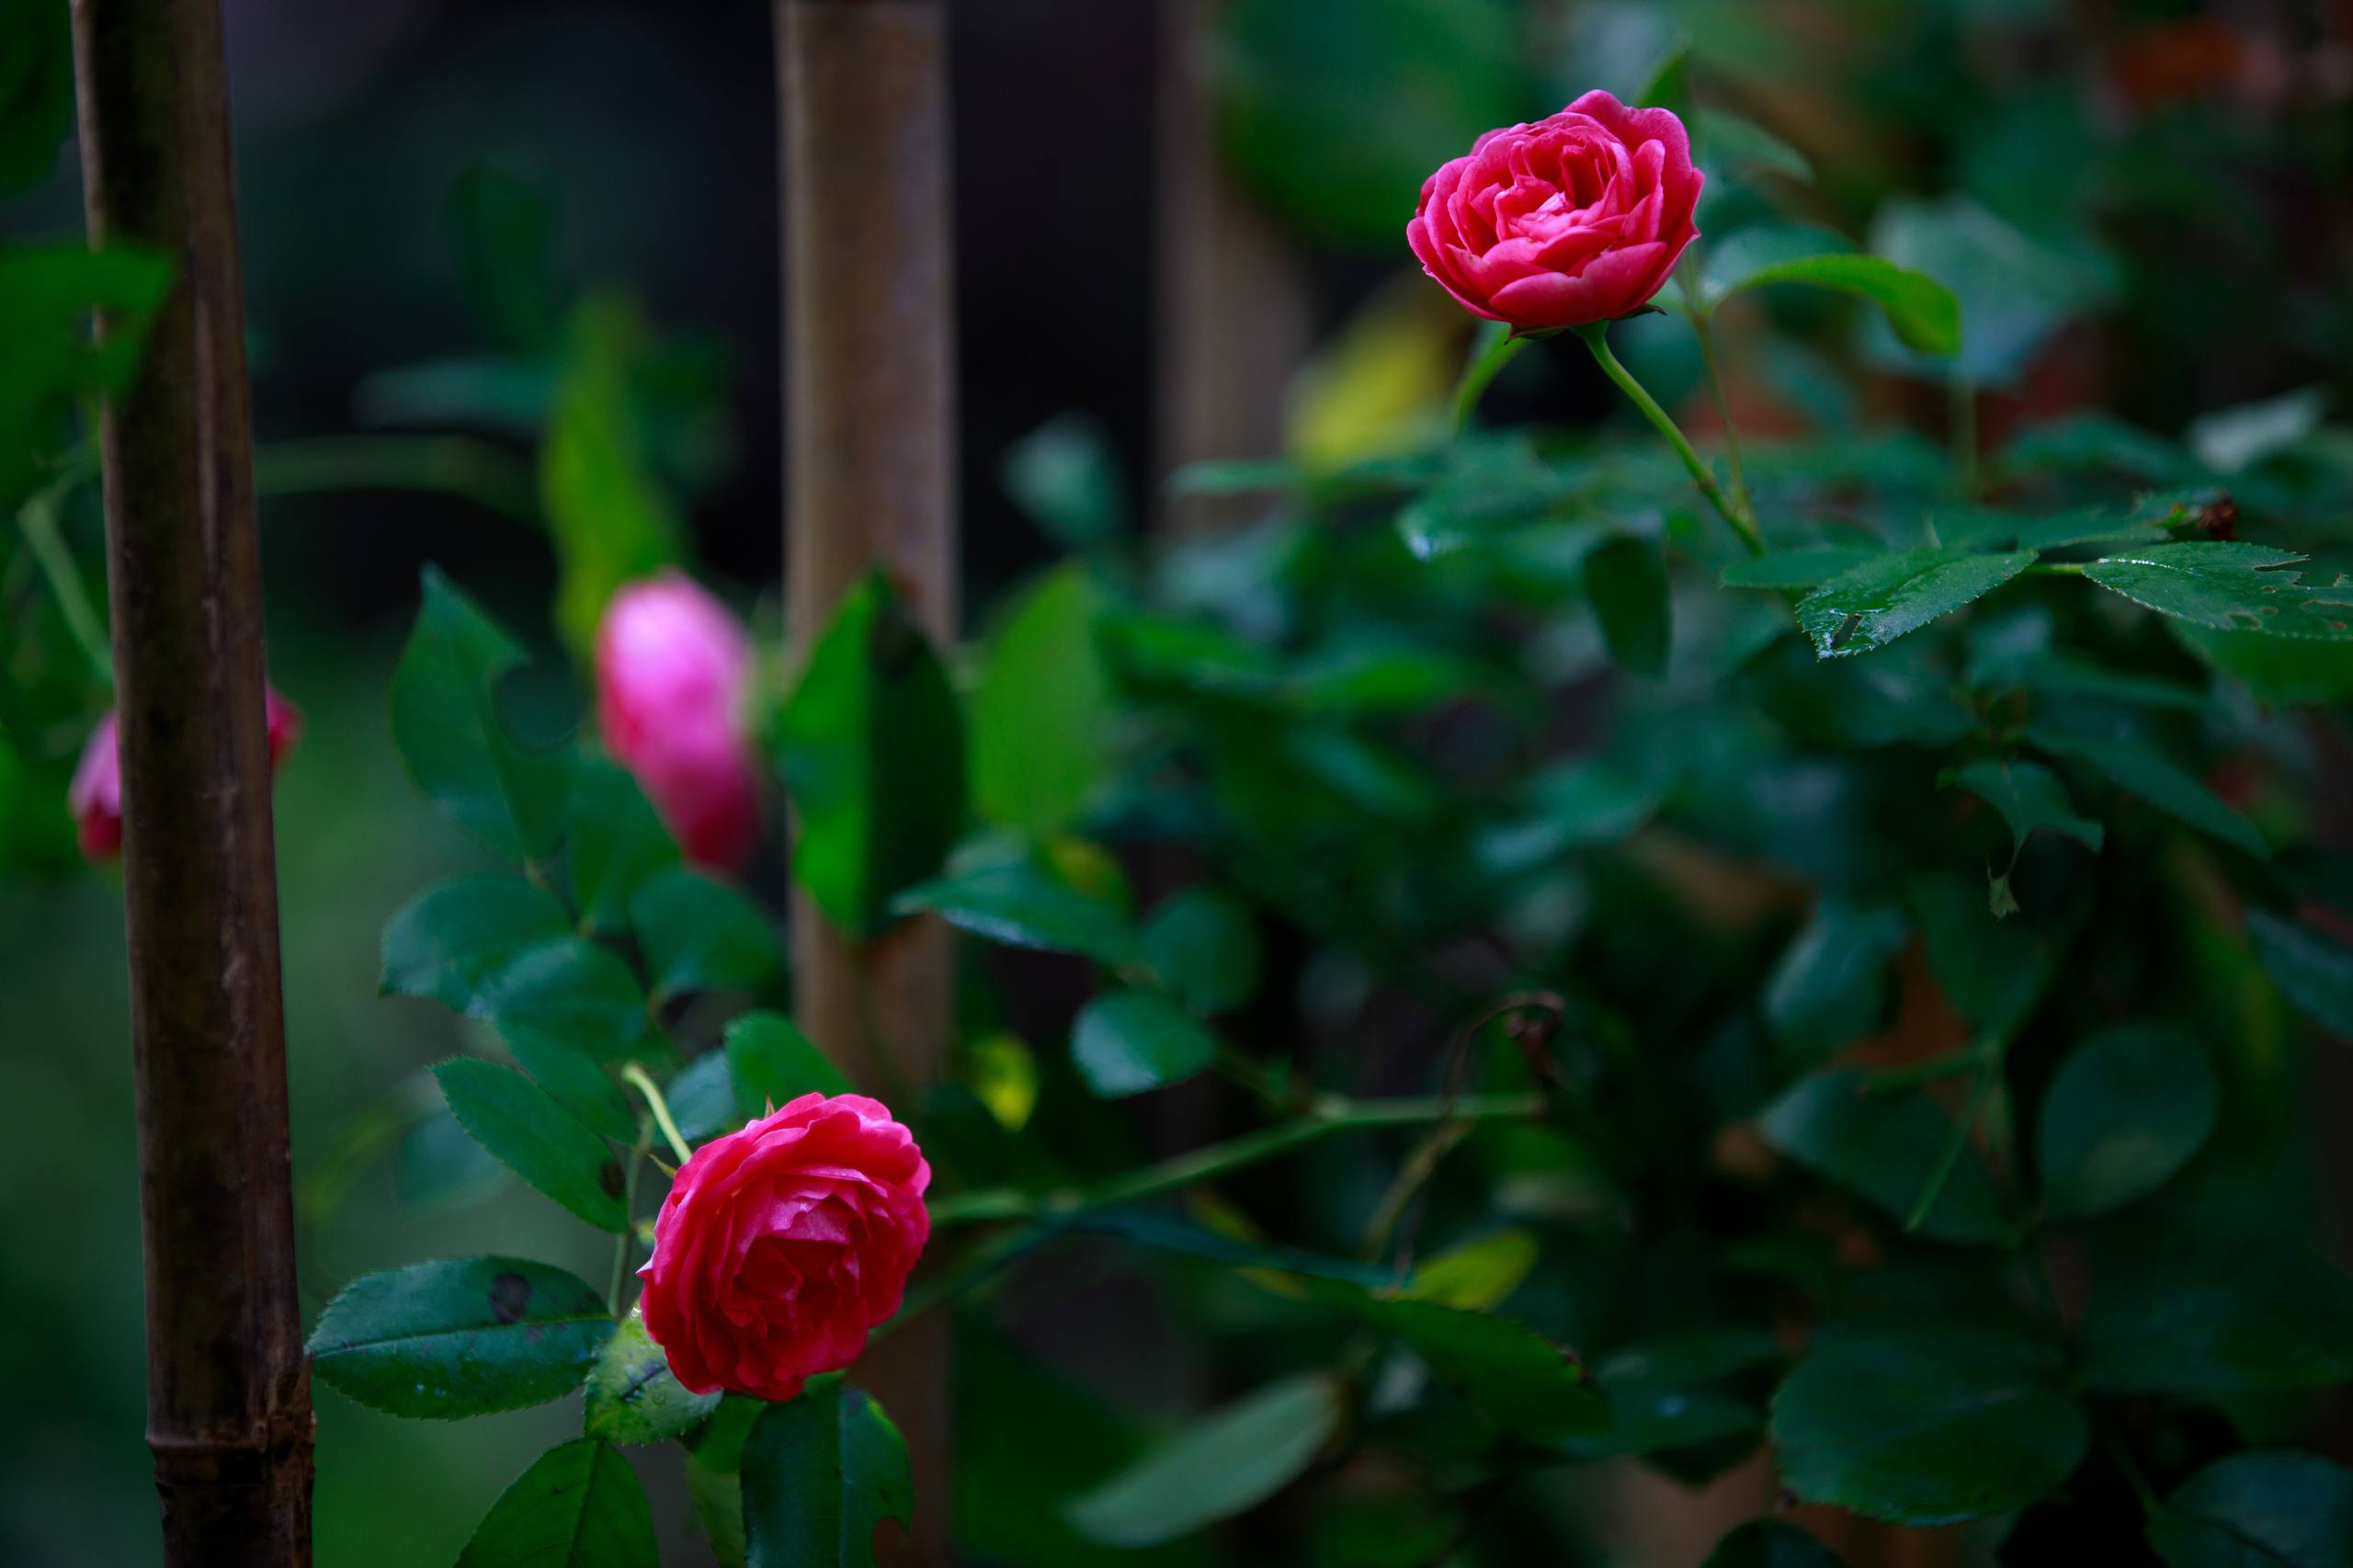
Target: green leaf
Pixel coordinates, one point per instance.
(1478, 1275)
(2259, 1510)
(573, 990)
(1565, 807)
(2285, 672)
(1518, 1376)
(702, 1098)
(537, 1139)
(1022, 904)
(872, 748)
(2215, 1308)
(1830, 983)
(701, 935)
(1204, 947)
(1669, 84)
(608, 515)
(618, 844)
(1771, 1543)
(1043, 710)
(47, 295)
(575, 1080)
(1993, 972)
(1877, 602)
(1223, 1465)
(1066, 476)
(2029, 796)
(718, 1499)
(1922, 311)
(460, 1337)
(1884, 1146)
(1627, 582)
(2313, 972)
(36, 92)
(451, 941)
(579, 1505)
(1334, 111)
(505, 231)
(1927, 1428)
(2230, 586)
(2230, 440)
(1734, 140)
(456, 745)
(821, 1474)
(771, 1063)
(2137, 767)
(1126, 1041)
(2014, 291)
(1797, 568)
(2126, 1110)
(630, 1395)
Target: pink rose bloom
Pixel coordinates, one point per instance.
(96, 795)
(780, 1246)
(1576, 218)
(672, 666)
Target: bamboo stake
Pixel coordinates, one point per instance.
(228, 1390)
(870, 468)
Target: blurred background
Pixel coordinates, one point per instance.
(1181, 237)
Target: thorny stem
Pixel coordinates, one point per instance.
(1328, 1117)
(1597, 339)
(637, 1077)
(627, 1240)
(37, 518)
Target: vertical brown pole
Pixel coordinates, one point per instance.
(871, 467)
(1234, 309)
(228, 1389)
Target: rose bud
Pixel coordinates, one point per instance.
(672, 669)
(96, 795)
(1576, 219)
(780, 1246)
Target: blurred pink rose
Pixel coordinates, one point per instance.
(672, 666)
(96, 795)
(1576, 219)
(780, 1246)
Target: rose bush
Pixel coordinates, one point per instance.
(1573, 219)
(672, 667)
(781, 1245)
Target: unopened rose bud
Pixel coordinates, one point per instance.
(96, 795)
(672, 669)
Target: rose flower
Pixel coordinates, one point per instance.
(1576, 219)
(781, 1245)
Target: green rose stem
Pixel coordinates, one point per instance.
(1597, 339)
(37, 518)
(627, 1241)
(1496, 346)
(636, 1077)
(1328, 1116)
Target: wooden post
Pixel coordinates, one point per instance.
(1233, 299)
(228, 1388)
(871, 471)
